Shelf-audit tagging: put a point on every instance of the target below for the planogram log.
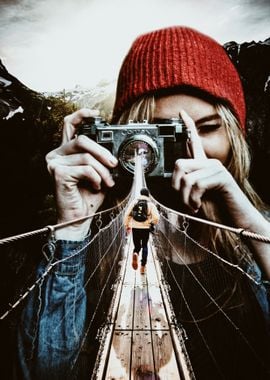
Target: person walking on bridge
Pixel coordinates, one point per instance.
(140, 216)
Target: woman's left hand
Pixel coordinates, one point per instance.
(194, 176)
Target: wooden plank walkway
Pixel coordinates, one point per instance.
(143, 343)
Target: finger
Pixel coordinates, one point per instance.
(188, 165)
(191, 193)
(196, 146)
(82, 159)
(180, 180)
(69, 176)
(193, 177)
(185, 186)
(73, 120)
(196, 183)
(195, 196)
(178, 173)
(84, 144)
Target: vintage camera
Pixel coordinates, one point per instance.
(159, 144)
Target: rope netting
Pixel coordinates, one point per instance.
(211, 290)
(212, 293)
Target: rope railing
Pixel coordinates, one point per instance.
(50, 229)
(51, 265)
(240, 231)
(138, 181)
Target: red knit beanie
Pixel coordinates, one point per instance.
(178, 56)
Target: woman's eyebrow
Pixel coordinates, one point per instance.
(207, 118)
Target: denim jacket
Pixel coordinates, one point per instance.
(52, 324)
(261, 291)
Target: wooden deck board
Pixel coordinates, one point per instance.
(141, 344)
(157, 311)
(164, 356)
(124, 319)
(151, 270)
(141, 309)
(120, 355)
(129, 277)
(142, 356)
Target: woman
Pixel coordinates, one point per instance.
(167, 73)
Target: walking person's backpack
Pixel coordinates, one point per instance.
(139, 211)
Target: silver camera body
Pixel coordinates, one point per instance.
(159, 144)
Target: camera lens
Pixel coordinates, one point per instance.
(143, 146)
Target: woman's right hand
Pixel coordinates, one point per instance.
(79, 159)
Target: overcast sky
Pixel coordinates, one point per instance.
(50, 45)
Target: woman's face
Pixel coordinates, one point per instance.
(208, 123)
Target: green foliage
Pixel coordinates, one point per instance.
(51, 118)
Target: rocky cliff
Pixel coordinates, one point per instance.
(252, 60)
(30, 127)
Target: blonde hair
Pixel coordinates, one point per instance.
(238, 165)
(142, 109)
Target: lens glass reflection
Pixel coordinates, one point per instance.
(143, 149)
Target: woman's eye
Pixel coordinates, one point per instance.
(208, 128)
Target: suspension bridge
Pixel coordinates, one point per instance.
(141, 336)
